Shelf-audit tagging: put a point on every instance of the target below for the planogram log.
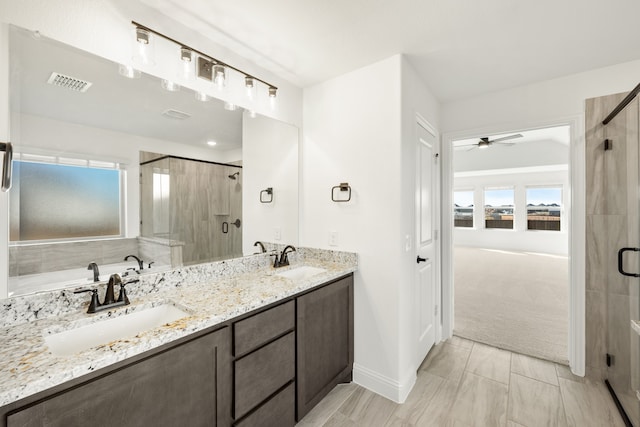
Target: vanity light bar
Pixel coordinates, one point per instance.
(207, 62)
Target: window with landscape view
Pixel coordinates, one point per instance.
(463, 208)
(544, 205)
(498, 208)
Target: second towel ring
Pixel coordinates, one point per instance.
(344, 186)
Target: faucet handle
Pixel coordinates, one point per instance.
(94, 304)
(122, 296)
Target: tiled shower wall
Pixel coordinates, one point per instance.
(611, 223)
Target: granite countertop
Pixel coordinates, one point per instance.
(29, 367)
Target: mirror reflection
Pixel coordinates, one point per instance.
(108, 166)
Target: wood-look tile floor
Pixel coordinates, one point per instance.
(462, 383)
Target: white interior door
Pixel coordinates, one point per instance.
(427, 252)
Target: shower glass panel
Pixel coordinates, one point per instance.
(621, 167)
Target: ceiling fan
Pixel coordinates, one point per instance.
(485, 142)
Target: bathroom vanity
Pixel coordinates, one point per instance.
(258, 348)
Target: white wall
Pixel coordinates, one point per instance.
(270, 156)
(538, 103)
(352, 134)
(360, 129)
(518, 239)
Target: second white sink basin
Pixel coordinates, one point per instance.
(301, 273)
(104, 331)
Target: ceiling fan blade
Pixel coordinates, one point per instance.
(504, 138)
(466, 145)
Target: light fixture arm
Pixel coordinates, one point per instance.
(211, 58)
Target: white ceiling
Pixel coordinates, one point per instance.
(461, 48)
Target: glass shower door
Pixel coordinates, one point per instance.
(622, 165)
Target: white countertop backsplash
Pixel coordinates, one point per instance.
(213, 293)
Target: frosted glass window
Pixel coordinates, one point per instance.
(498, 207)
(544, 205)
(463, 208)
(55, 202)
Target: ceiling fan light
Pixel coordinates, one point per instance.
(483, 144)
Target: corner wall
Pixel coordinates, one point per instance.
(352, 134)
(360, 128)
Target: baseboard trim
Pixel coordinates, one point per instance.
(382, 385)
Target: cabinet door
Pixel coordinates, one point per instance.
(187, 385)
(325, 341)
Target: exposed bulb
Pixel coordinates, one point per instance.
(143, 52)
(186, 59)
(219, 76)
(250, 85)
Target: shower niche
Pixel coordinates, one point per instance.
(192, 204)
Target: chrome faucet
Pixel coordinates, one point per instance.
(262, 248)
(96, 273)
(140, 262)
(109, 297)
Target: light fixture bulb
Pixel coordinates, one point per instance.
(250, 85)
(186, 60)
(185, 54)
(230, 107)
(201, 96)
(219, 75)
(273, 91)
(169, 85)
(211, 143)
(143, 51)
(128, 71)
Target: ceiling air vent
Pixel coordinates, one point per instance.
(175, 114)
(72, 83)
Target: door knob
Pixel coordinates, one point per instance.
(419, 259)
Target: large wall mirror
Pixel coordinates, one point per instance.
(107, 166)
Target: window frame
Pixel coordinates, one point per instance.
(473, 208)
(512, 207)
(526, 205)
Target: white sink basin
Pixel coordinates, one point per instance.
(301, 273)
(104, 331)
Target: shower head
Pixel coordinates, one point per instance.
(233, 175)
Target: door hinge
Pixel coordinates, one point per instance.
(436, 157)
(610, 360)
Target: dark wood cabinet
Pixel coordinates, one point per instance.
(265, 368)
(324, 331)
(189, 384)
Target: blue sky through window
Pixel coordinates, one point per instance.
(545, 196)
(463, 198)
(501, 197)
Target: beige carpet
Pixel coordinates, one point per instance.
(513, 300)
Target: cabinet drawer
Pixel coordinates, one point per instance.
(261, 373)
(279, 411)
(256, 330)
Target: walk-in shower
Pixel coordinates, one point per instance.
(613, 242)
